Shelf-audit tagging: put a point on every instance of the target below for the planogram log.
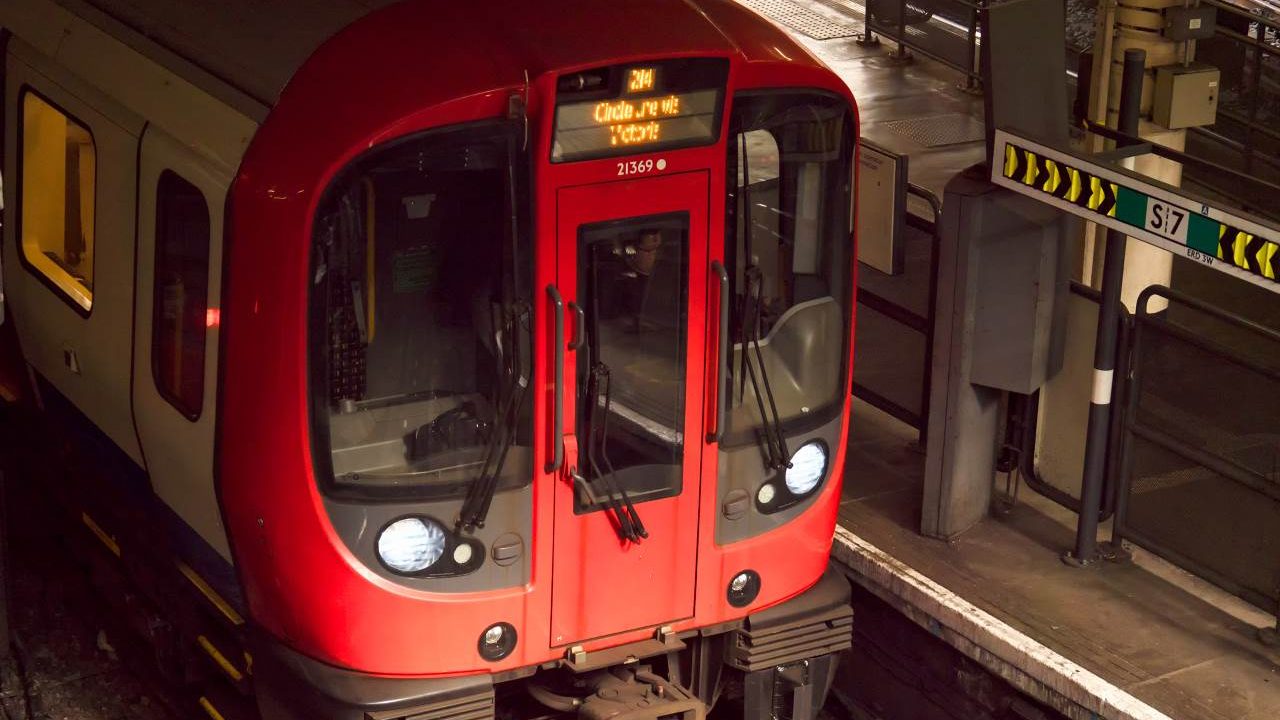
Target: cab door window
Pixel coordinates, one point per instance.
(180, 313)
(633, 280)
(59, 165)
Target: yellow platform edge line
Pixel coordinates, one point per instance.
(231, 670)
(106, 539)
(209, 709)
(211, 595)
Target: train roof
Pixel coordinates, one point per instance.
(255, 48)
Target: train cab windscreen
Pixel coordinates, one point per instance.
(421, 315)
(788, 255)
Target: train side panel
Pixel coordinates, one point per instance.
(69, 281)
(175, 347)
(126, 361)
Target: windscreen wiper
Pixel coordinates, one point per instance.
(778, 457)
(751, 326)
(600, 399)
(507, 422)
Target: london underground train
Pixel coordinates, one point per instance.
(442, 360)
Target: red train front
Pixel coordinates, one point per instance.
(536, 338)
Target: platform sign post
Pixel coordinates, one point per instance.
(1133, 206)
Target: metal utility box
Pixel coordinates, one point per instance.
(1190, 23)
(1002, 287)
(1186, 95)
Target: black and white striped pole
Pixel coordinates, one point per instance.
(1104, 356)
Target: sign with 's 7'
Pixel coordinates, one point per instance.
(1139, 207)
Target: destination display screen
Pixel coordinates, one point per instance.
(632, 109)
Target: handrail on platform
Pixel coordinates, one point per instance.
(911, 319)
(1137, 426)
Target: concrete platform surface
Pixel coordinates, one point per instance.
(1109, 641)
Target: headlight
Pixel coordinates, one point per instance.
(808, 465)
(411, 544)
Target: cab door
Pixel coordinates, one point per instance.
(631, 267)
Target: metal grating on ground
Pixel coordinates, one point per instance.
(802, 20)
(940, 130)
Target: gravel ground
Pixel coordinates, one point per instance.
(1082, 24)
(63, 662)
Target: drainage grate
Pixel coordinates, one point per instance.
(802, 19)
(940, 130)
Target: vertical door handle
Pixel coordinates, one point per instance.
(722, 354)
(579, 327)
(557, 395)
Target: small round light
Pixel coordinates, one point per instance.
(808, 465)
(766, 493)
(493, 635)
(411, 544)
(497, 641)
(463, 553)
(743, 588)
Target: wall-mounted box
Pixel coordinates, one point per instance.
(1190, 23)
(1186, 95)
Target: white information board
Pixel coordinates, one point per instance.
(882, 207)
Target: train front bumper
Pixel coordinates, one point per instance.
(786, 653)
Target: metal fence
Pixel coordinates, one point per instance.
(893, 323)
(1200, 463)
(946, 30)
(1246, 48)
(1021, 430)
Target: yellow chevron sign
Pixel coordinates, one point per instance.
(1244, 247)
(1248, 252)
(1060, 180)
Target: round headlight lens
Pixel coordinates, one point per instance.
(808, 465)
(411, 545)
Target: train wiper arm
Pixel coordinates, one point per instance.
(475, 510)
(778, 457)
(626, 518)
(632, 515)
(751, 325)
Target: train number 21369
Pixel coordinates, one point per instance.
(640, 167)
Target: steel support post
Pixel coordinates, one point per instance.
(1104, 358)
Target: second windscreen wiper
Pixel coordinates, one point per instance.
(476, 507)
(750, 328)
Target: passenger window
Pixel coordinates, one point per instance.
(57, 209)
(180, 296)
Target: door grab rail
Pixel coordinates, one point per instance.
(722, 358)
(557, 397)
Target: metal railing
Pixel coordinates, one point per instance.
(922, 324)
(1023, 422)
(1199, 476)
(1246, 48)
(948, 31)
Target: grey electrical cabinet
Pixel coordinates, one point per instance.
(1002, 285)
(1186, 95)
